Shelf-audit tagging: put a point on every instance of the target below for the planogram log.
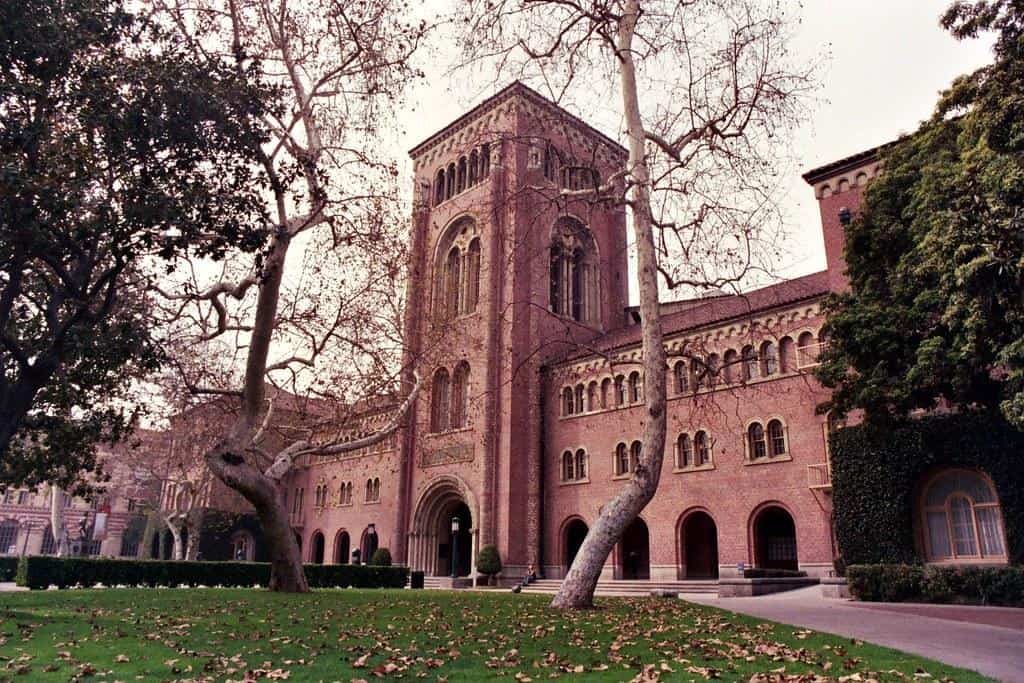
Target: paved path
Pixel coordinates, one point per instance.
(985, 639)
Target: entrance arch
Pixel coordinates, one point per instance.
(572, 538)
(635, 552)
(432, 544)
(316, 555)
(341, 547)
(774, 539)
(698, 546)
(368, 544)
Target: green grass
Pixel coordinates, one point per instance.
(344, 635)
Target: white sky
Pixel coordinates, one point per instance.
(886, 62)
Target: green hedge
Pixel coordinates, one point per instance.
(8, 568)
(42, 571)
(941, 584)
(875, 474)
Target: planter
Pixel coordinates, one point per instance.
(748, 588)
(835, 588)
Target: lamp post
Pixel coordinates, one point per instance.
(455, 545)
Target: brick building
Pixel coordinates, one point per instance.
(519, 317)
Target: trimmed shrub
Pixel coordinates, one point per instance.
(8, 568)
(488, 560)
(42, 571)
(875, 475)
(381, 558)
(759, 573)
(416, 580)
(957, 584)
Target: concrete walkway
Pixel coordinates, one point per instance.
(989, 640)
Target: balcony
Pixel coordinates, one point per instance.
(819, 477)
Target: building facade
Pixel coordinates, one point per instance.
(531, 416)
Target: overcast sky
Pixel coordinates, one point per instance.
(885, 63)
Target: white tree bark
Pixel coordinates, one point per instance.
(60, 532)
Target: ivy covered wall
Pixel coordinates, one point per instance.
(875, 475)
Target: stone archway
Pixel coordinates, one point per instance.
(316, 555)
(635, 552)
(775, 539)
(341, 547)
(572, 538)
(432, 542)
(699, 546)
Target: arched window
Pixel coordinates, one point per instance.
(755, 441)
(452, 283)
(684, 451)
(620, 390)
(714, 364)
(376, 488)
(460, 396)
(472, 276)
(474, 167)
(579, 393)
(697, 377)
(730, 363)
(592, 401)
(679, 374)
(776, 438)
(369, 490)
(635, 453)
(961, 518)
(787, 355)
(573, 271)
(606, 389)
(485, 161)
(458, 273)
(701, 448)
(621, 460)
(567, 466)
(460, 181)
(581, 464)
(749, 363)
(449, 184)
(636, 389)
(550, 162)
(568, 404)
(806, 350)
(769, 359)
(440, 401)
(439, 184)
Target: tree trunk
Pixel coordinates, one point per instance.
(176, 549)
(577, 590)
(57, 528)
(194, 523)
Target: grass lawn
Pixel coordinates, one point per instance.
(345, 635)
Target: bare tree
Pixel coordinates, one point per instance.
(704, 94)
(321, 319)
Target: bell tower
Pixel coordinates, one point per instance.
(516, 258)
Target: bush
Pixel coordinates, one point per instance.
(381, 558)
(488, 560)
(8, 568)
(915, 583)
(42, 571)
(416, 580)
(759, 573)
(875, 473)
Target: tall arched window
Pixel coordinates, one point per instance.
(701, 448)
(679, 374)
(806, 350)
(567, 466)
(769, 359)
(620, 390)
(592, 401)
(755, 441)
(568, 404)
(440, 401)
(606, 390)
(787, 355)
(460, 181)
(573, 271)
(369, 491)
(449, 185)
(581, 464)
(621, 459)
(635, 453)
(961, 518)
(485, 161)
(578, 392)
(684, 451)
(730, 363)
(697, 376)
(636, 389)
(714, 364)
(749, 363)
(474, 167)
(458, 273)
(460, 395)
(439, 186)
(776, 438)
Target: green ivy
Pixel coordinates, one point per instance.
(875, 474)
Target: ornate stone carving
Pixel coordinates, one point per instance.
(454, 453)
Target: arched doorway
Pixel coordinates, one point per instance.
(341, 547)
(316, 556)
(575, 532)
(634, 552)
(368, 544)
(699, 545)
(774, 539)
(435, 544)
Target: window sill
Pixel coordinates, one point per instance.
(574, 482)
(371, 502)
(967, 561)
(768, 460)
(344, 505)
(446, 432)
(621, 477)
(697, 468)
